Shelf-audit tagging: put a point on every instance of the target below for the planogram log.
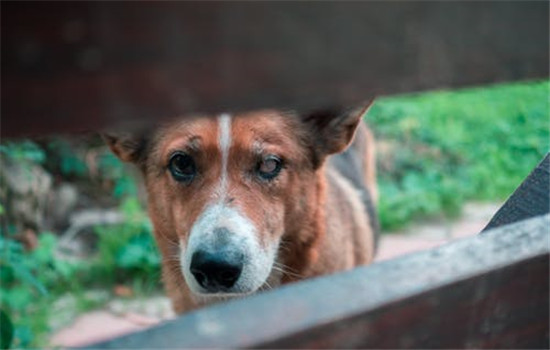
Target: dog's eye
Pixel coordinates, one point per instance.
(269, 167)
(182, 167)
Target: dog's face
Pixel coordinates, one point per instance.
(223, 192)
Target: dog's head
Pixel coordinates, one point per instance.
(224, 192)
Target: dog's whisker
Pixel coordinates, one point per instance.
(285, 270)
(175, 271)
(282, 271)
(267, 286)
(170, 240)
(284, 245)
(175, 260)
(173, 256)
(285, 267)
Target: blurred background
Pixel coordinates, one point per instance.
(461, 117)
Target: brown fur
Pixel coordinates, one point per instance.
(311, 208)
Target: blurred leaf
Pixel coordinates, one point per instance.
(26, 276)
(18, 297)
(47, 243)
(25, 150)
(124, 186)
(65, 158)
(110, 166)
(6, 330)
(13, 261)
(23, 335)
(132, 208)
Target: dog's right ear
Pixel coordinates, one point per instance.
(129, 147)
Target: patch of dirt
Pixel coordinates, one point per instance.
(120, 316)
(430, 234)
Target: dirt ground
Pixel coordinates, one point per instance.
(124, 316)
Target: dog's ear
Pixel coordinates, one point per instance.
(128, 146)
(332, 129)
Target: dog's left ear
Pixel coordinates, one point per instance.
(333, 129)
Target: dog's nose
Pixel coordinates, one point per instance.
(216, 271)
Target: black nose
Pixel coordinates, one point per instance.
(216, 271)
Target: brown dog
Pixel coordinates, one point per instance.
(247, 202)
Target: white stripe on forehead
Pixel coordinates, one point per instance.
(224, 139)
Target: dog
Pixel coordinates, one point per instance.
(247, 202)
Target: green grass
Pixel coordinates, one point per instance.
(439, 149)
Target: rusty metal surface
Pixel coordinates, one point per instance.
(71, 66)
(487, 291)
(531, 198)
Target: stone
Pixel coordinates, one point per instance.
(62, 202)
(26, 187)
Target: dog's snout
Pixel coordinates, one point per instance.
(216, 271)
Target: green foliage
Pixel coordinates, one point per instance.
(112, 168)
(23, 151)
(14, 266)
(6, 330)
(64, 159)
(33, 280)
(30, 280)
(128, 250)
(446, 147)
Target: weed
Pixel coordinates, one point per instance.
(128, 251)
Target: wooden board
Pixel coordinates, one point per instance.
(530, 199)
(487, 291)
(72, 66)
